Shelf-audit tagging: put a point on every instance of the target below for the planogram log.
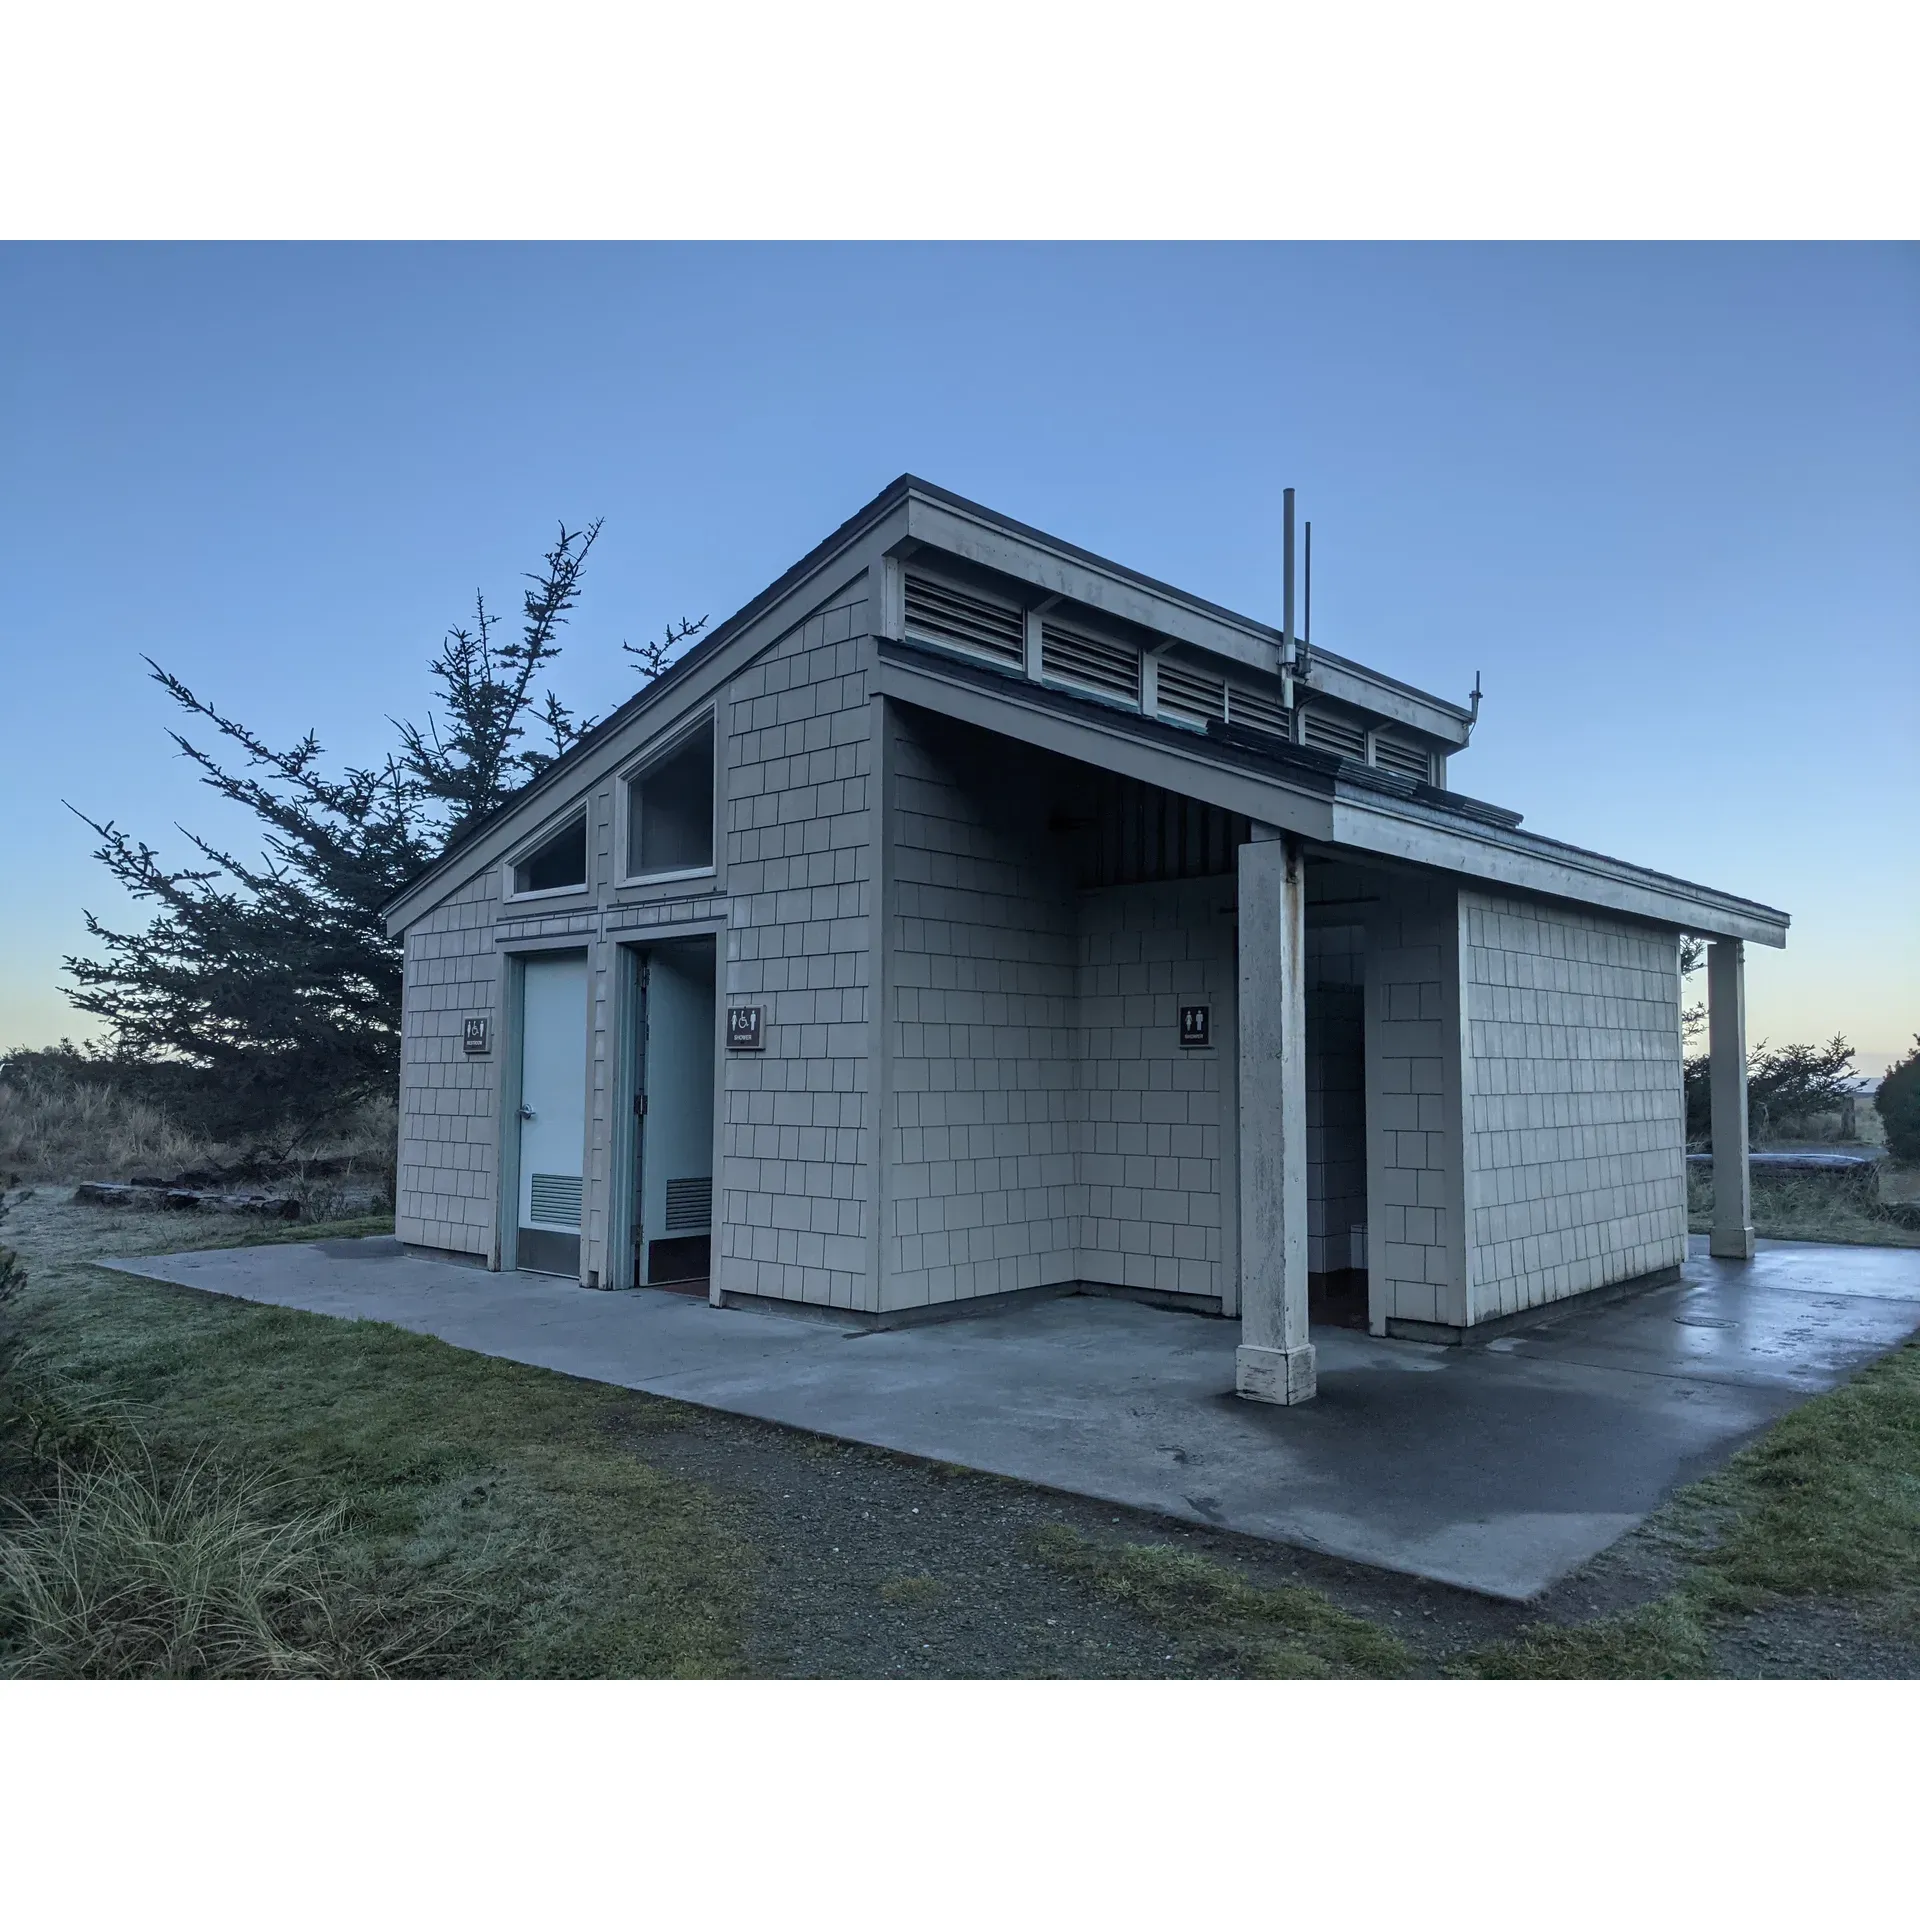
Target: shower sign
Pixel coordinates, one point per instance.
(746, 1029)
(1196, 1026)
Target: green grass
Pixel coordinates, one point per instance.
(252, 1489)
(1828, 1502)
(1667, 1640)
(502, 1489)
(1234, 1628)
(912, 1590)
(1825, 1505)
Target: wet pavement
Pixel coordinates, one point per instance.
(1498, 1468)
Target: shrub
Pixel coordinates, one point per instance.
(1898, 1105)
(1784, 1084)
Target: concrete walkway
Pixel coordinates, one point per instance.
(1498, 1468)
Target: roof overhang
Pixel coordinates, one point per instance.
(1295, 789)
(1304, 792)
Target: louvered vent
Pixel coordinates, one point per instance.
(947, 617)
(690, 1206)
(1246, 708)
(555, 1201)
(1193, 696)
(1401, 756)
(1100, 666)
(1333, 731)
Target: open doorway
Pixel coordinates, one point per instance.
(672, 1072)
(1336, 1097)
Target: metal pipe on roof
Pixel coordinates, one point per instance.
(1286, 576)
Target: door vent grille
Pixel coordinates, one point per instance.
(1193, 696)
(555, 1201)
(1081, 660)
(946, 617)
(1334, 732)
(1402, 756)
(690, 1206)
(1266, 711)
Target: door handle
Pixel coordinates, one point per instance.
(527, 1113)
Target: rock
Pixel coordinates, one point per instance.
(116, 1193)
(110, 1193)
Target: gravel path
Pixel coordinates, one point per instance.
(877, 1565)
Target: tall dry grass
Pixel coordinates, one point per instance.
(58, 1133)
(80, 1132)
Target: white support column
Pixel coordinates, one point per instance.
(1732, 1237)
(1275, 1361)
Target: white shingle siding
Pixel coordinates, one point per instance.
(1575, 1151)
(1492, 1085)
(796, 1197)
(1150, 1117)
(449, 1111)
(981, 1187)
(1044, 1126)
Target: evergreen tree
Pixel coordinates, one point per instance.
(274, 975)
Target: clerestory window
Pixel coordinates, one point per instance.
(558, 861)
(670, 810)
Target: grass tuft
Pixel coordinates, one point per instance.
(912, 1590)
(1665, 1641)
(1238, 1628)
(127, 1571)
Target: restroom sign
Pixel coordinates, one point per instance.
(746, 1029)
(1196, 1026)
(473, 1036)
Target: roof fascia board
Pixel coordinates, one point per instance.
(950, 527)
(1339, 681)
(655, 710)
(1112, 748)
(1475, 850)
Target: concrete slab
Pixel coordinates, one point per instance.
(1497, 1468)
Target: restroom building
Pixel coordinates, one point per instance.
(971, 917)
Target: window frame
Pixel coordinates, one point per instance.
(656, 755)
(510, 891)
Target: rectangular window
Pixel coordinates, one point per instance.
(670, 810)
(558, 861)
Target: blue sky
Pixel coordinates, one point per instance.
(1666, 500)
